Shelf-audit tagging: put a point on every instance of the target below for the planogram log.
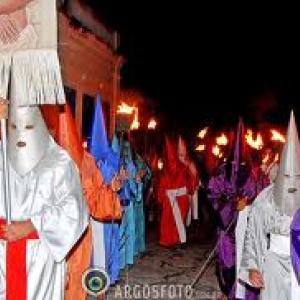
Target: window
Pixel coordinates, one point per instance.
(87, 116)
(71, 99)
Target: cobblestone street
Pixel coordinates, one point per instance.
(167, 270)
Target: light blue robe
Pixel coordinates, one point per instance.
(127, 228)
(140, 241)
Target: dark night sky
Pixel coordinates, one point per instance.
(229, 61)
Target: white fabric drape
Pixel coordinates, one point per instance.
(51, 196)
(172, 194)
(28, 59)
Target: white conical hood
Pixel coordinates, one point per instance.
(28, 138)
(287, 182)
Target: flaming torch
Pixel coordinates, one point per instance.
(135, 123)
(202, 133)
(152, 124)
(277, 136)
(216, 151)
(254, 143)
(124, 116)
(200, 148)
(124, 108)
(222, 140)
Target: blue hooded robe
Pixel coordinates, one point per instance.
(107, 159)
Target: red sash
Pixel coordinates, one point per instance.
(16, 275)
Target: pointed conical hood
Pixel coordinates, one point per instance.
(68, 136)
(109, 163)
(238, 173)
(171, 154)
(99, 144)
(290, 157)
(238, 149)
(287, 182)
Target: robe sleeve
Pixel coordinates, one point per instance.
(142, 185)
(62, 221)
(222, 199)
(254, 186)
(95, 190)
(132, 186)
(139, 195)
(256, 236)
(250, 257)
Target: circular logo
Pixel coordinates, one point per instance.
(95, 281)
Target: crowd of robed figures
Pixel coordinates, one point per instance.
(257, 212)
(110, 187)
(113, 179)
(256, 207)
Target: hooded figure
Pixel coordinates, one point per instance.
(105, 235)
(108, 163)
(111, 229)
(174, 190)
(47, 208)
(193, 174)
(128, 194)
(143, 177)
(95, 191)
(270, 257)
(230, 190)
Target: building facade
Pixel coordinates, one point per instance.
(90, 66)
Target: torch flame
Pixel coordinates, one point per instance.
(200, 148)
(124, 108)
(222, 140)
(216, 151)
(152, 124)
(202, 133)
(160, 164)
(254, 143)
(277, 136)
(135, 123)
(266, 158)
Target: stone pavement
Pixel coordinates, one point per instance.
(166, 270)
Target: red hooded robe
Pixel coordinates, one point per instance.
(173, 195)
